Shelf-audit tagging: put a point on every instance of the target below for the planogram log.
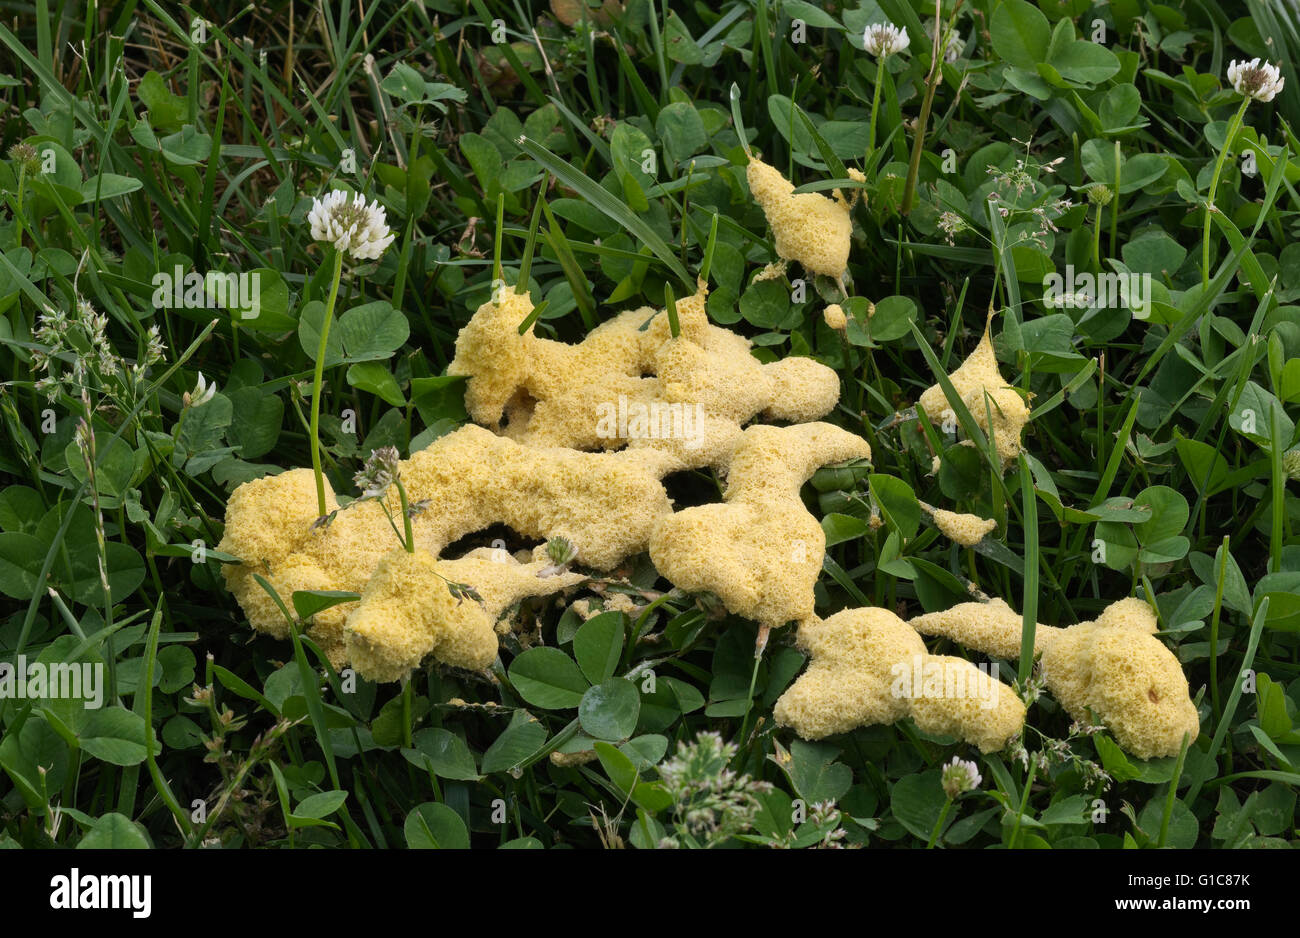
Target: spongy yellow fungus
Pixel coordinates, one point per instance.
(471, 479)
(964, 529)
(408, 610)
(621, 602)
(759, 551)
(1116, 668)
(869, 667)
(772, 271)
(835, 317)
(992, 628)
(975, 378)
(1112, 666)
(683, 397)
(808, 228)
(536, 477)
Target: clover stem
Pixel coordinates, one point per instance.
(875, 106)
(408, 689)
(1114, 208)
(938, 825)
(1233, 126)
(316, 383)
(1096, 239)
(932, 82)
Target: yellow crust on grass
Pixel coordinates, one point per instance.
(964, 529)
(408, 611)
(471, 479)
(809, 227)
(869, 667)
(759, 551)
(975, 377)
(1113, 666)
(630, 382)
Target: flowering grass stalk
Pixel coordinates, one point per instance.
(381, 471)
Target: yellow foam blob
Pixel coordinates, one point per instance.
(992, 628)
(976, 376)
(408, 611)
(1113, 666)
(869, 667)
(471, 478)
(835, 317)
(809, 227)
(537, 477)
(625, 385)
(964, 529)
(759, 550)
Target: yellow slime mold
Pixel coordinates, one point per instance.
(760, 550)
(1112, 666)
(808, 228)
(976, 376)
(868, 667)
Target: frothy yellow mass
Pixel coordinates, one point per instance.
(470, 479)
(1113, 666)
(976, 377)
(408, 611)
(674, 402)
(759, 550)
(809, 227)
(536, 476)
(964, 529)
(869, 667)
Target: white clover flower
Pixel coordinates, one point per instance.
(885, 39)
(1253, 79)
(202, 393)
(355, 227)
(960, 776)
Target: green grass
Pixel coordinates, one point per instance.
(1164, 439)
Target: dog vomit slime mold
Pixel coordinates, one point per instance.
(864, 663)
(566, 447)
(1114, 667)
(536, 477)
(808, 228)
